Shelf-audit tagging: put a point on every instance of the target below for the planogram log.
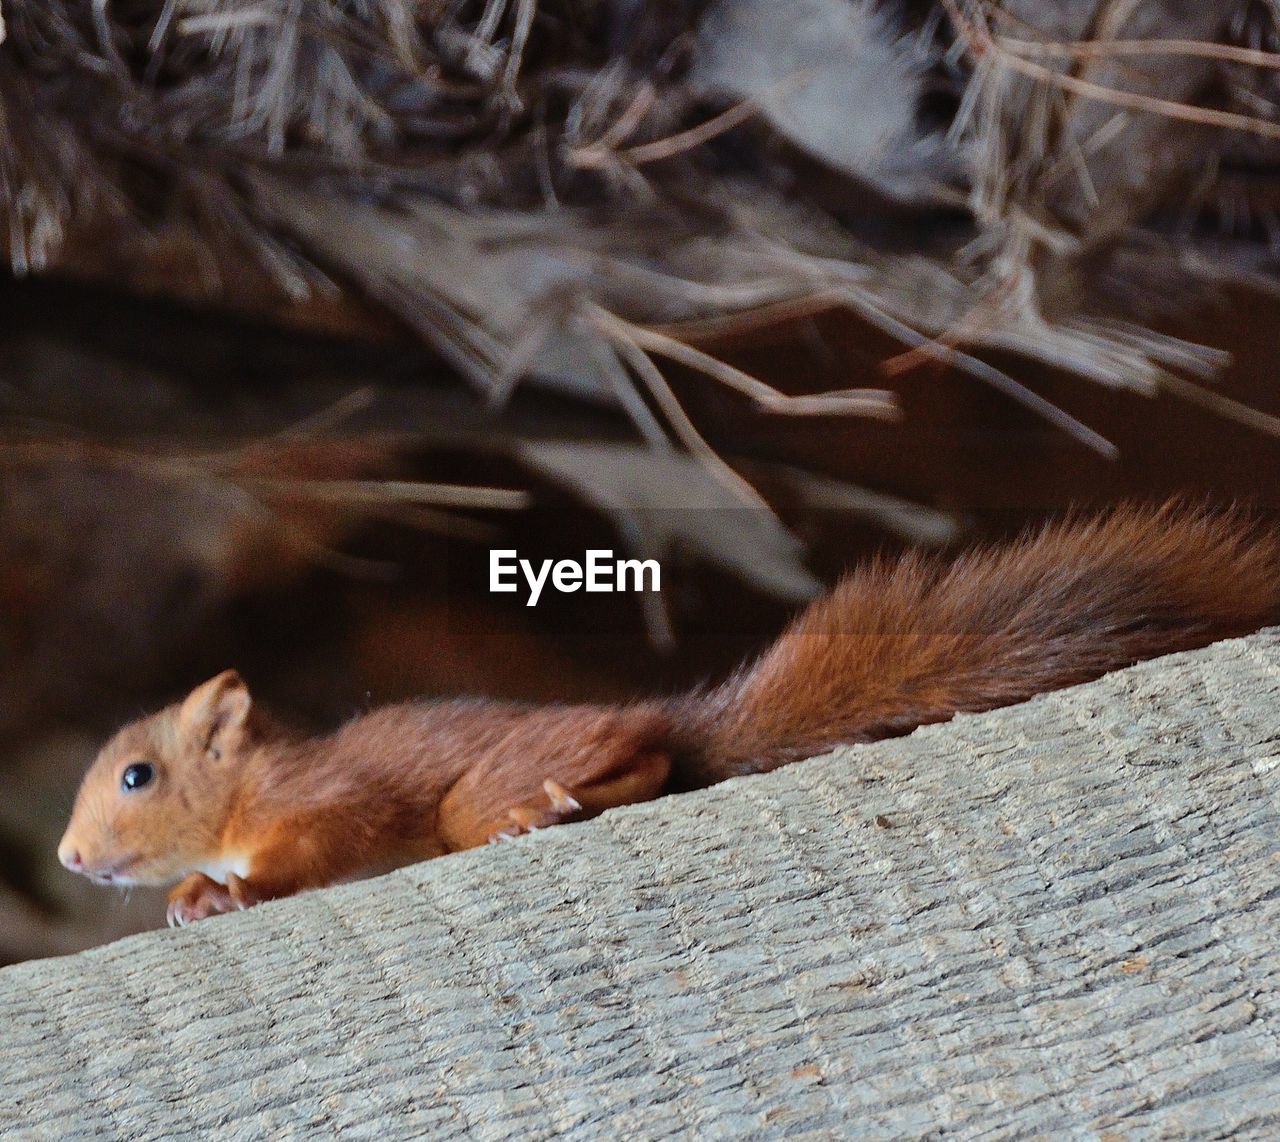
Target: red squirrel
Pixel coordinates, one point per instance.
(211, 790)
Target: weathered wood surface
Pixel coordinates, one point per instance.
(1061, 918)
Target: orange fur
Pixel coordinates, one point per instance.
(900, 644)
(243, 812)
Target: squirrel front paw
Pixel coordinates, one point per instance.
(197, 897)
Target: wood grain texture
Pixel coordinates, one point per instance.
(1059, 918)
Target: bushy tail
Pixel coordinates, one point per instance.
(901, 643)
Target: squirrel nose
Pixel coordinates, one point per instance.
(71, 859)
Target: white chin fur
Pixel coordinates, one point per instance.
(218, 869)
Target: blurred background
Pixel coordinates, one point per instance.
(310, 306)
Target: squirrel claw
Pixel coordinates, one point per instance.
(528, 819)
(499, 835)
(241, 892)
(198, 897)
(562, 801)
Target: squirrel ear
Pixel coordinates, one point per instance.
(216, 709)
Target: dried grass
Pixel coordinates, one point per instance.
(539, 187)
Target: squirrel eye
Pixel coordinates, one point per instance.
(137, 775)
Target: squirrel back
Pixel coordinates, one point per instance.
(898, 644)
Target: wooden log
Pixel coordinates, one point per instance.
(1059, 918)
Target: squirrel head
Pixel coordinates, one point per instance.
(154, 803)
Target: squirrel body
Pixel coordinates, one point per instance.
(212, 793)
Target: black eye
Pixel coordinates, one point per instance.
(137, 775)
